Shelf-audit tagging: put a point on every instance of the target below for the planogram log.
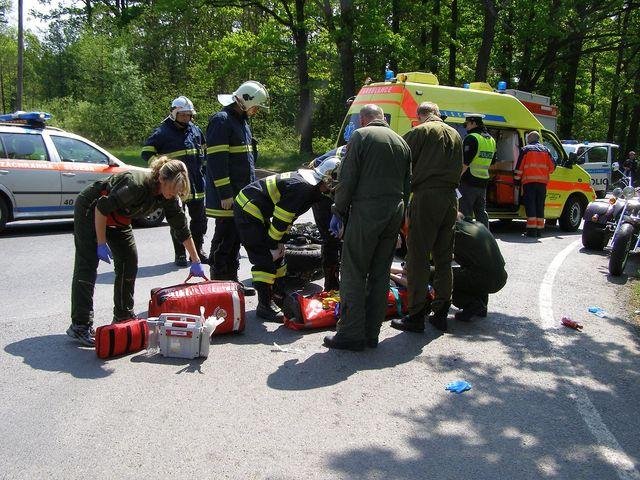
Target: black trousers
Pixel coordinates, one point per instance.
(331, 246)
(197, 225)
(534, 195)
(225, 248)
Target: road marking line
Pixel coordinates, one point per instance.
(609, 448)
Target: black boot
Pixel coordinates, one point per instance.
(438, 318)
(204, 258)
(331, 278)
(267, 310)
(410, 323)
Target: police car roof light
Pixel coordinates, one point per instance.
(26, 118)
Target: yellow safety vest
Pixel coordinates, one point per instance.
(479, 166)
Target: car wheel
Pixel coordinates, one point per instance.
(152, 220)
(593, 236)
(620, 250)
(4, 214)
(571, 214)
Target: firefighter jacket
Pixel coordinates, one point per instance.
(436, 155)
(186, 144)
(479, 150)
(231, 157)
(277, 201)
(535, 164)
(126, 195)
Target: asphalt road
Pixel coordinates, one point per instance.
(547, 401)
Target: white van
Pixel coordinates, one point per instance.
(597, 159)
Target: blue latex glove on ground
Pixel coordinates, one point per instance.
(335, 226)
(197, 270)
(458, 386)
(104, 253)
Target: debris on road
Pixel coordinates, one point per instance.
(598, 311)
(567, 322)
(458, 386)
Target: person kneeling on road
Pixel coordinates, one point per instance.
(263, 211)
(102, 231)
(480, 271)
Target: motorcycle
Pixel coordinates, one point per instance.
(613, 224)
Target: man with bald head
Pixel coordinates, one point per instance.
(373, 188)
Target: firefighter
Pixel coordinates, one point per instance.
(231, 157)
(331, 246)
(532, 171)
(372, 189)
(264, 210)
(102, 225)
(479, 150)
(480, 271)
(178, 137)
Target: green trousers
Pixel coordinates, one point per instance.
(367, 253)
(432, 217)
(85, 269)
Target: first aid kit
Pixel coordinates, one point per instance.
(121, 338)
(187, 298)
(182, 335)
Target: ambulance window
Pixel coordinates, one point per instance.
(596, 155)
(552, 148)
(24, 146)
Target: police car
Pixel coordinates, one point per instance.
(597, 158)
(43, 169)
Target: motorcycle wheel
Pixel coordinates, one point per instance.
(593, 236)
(620, 250)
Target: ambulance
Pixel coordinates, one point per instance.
(507, 119)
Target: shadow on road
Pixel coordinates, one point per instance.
(107, 278)
(190, 365)
(512, 232)
(59, 353)
(533, 417)
(37, 228)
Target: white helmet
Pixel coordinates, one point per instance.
(181, 104)
(249, 94)
(326, 172)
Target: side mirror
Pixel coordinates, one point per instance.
(573, 158)
(615, 166)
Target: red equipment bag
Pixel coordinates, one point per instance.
(322, 311)
(119, 338)
(189, 297)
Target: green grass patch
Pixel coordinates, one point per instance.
(130, 155)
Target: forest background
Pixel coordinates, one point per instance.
(108, 69)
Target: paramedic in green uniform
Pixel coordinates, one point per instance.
(436, 150)
(102, 225)
(373, 186)
(479, 153)
(480, 271)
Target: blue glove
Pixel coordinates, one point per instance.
(458, 386)
(335, 226)
(197, 270)
(104, 252)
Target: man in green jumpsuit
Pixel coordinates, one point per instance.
(436, 150)
(373, 186)
(480, 271)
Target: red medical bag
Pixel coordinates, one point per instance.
(189, 297)
(120, 338)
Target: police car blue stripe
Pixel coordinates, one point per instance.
(487, 118)
(597, 170)
(44, 209)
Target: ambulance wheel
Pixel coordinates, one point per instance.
(572, 214)
(4, 214)
(152, 220)
(593, 236)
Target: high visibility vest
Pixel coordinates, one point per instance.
(479, 166)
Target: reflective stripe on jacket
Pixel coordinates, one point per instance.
(185, 144)
(277, 200)
(535, 164)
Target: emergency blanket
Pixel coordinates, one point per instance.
(322, 310)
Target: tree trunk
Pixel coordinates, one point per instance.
(424, 36)
(568, 89)
(488, 34)
(395, 29)
(20, 76)
(632, 137)
(615, 92)
(345, 48)
(305, 110)
(453, 42)
(592, 100)
(435, 38)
